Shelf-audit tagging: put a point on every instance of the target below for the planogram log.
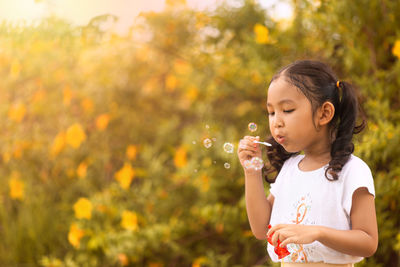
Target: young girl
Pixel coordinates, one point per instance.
(321, 204)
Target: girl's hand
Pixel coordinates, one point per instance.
(293, 234)
(247, 149)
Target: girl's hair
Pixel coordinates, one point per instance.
(319, 84)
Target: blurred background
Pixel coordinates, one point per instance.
(114, 116)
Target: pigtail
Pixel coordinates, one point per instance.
(347, 114)
(277, 155)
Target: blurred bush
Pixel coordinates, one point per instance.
(103, 161)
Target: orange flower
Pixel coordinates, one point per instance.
(58, 144)
(396, 49)
(125, 176)
(129, 220)
(171, 82)
(82, 169)
(180, 159)
(102, 121)
(123, 259)
(131, 152)
(198, 261)
(17, 112)
(87, 105)
(16, 186)
(83, 209)
(75, 135)
(156, 264)
(261, 33)
(74, 235)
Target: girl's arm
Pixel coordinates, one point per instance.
(361, 240)
(258, 206)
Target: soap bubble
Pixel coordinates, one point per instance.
(252, 127)
(247, 164)
(227, 165)
(214, 139)
(193, 142)
(228, 147)
(207, 143)
(255, 163)
(207, 126)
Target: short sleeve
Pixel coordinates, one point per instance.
(356, 174)
(276, 187)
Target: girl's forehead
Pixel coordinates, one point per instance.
(282, 91)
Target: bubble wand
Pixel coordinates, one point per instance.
(262, 143)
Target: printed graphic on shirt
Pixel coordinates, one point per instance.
(301, 253)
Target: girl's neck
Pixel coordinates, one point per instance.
(316, 156)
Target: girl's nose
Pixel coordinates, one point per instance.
(278, 123)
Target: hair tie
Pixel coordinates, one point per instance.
(338, 84)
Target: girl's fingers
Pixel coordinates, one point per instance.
(287, 241)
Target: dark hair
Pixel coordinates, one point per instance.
(319, 84)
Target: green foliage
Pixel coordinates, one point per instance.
(145, 102)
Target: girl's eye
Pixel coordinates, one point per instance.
(288, 111)
(271, 113)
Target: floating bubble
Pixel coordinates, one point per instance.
(255, 163)
(214, 162)
(195, 170)
(214, 139)
(252, 127)
(228, 147)
(193, 142)
(207, 142)
(227, 165)
(247, 164)
(207, 126)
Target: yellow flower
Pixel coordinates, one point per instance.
(205, 183)
(83, 209)
(125, 176)
(82, 169)
(175, 2)
(16, 186)
(17, 112)
(87, 105)
(74, 235)
(129, 220)
(6, 157)
(15, 69)
(261, 33)
(58, 144)
(171, 82)
(38, 96)
(75, 135)
(68, 94)
(102, 121)
(182, 67)
(180, 157)
(192, 93)
(131, 152)
(396, 49)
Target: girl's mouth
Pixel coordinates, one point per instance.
(280, 139)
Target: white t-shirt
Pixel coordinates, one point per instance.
(307, 197)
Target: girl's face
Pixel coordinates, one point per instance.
(290, 116)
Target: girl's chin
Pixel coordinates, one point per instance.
(289, 149)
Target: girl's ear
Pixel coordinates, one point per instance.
(325, 113)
